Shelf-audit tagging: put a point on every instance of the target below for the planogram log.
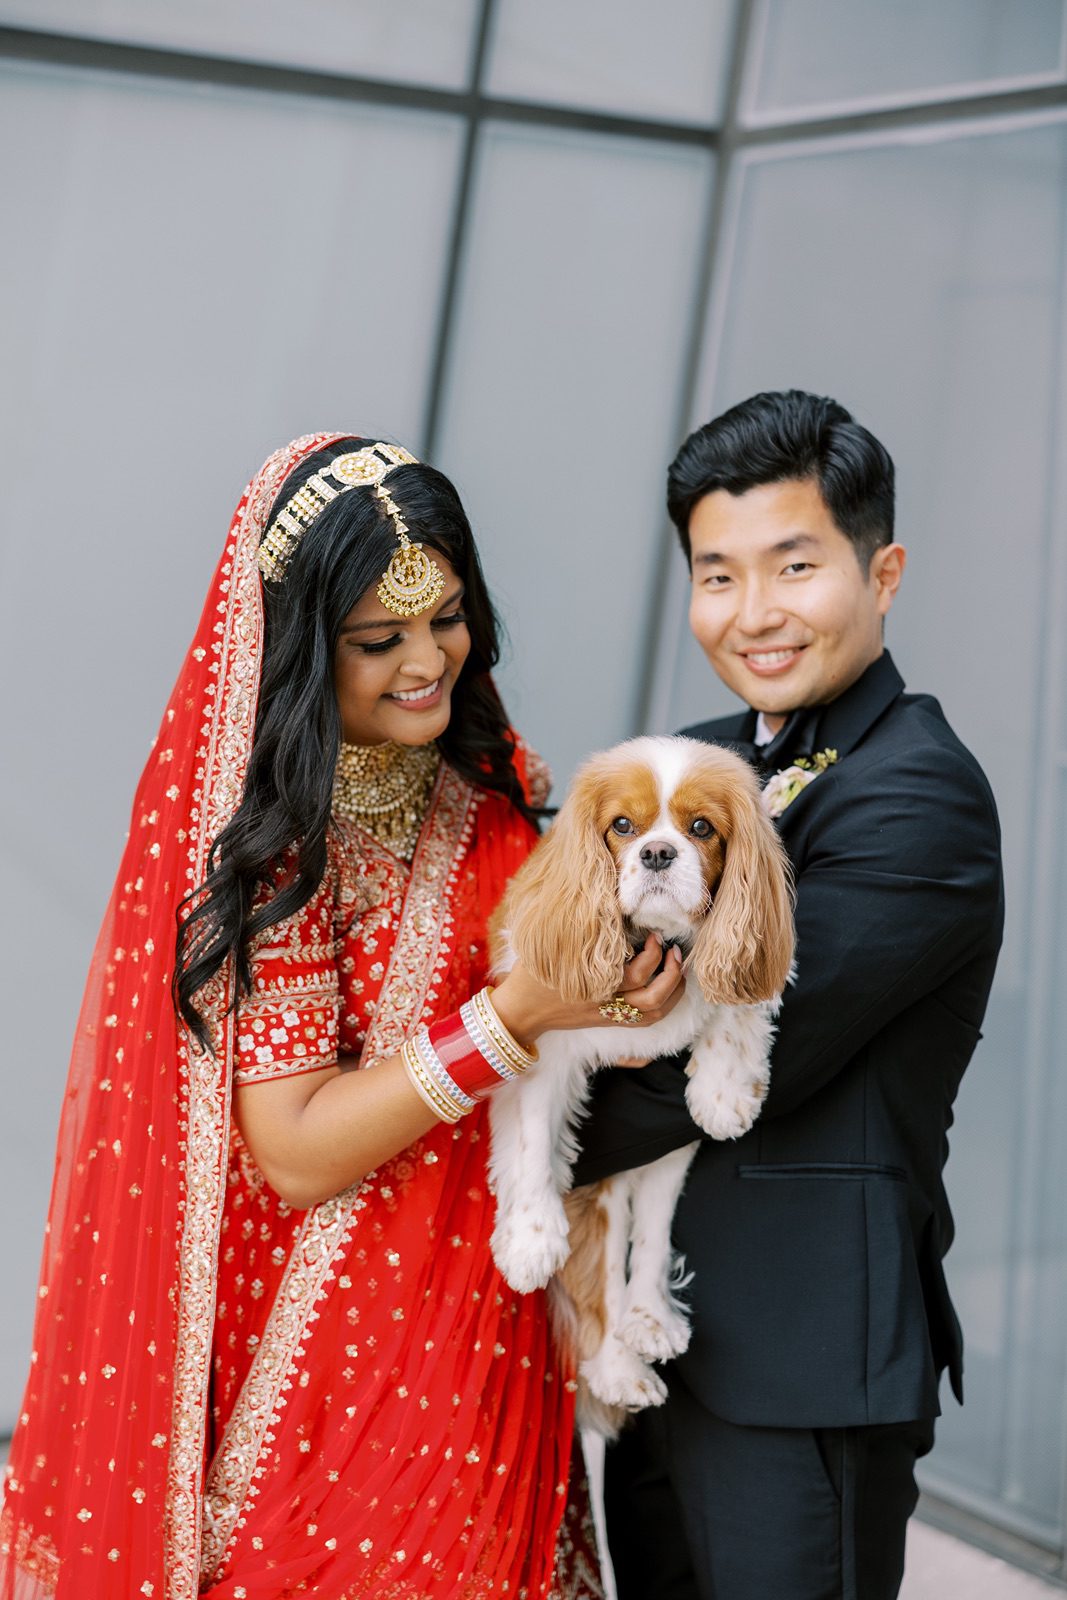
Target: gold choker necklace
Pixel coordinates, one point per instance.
(385, 789)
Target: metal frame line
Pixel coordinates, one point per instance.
(457, 237)
(660, 639)
(78, 50)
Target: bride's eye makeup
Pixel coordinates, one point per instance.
(381, 646)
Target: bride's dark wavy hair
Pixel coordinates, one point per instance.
(289, 784)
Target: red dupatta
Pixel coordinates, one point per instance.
(106, 1482)
(106, 1469)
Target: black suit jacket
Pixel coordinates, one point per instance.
(816, 1240)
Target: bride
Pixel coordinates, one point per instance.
(273, 1356)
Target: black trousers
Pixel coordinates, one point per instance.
(701, 1509)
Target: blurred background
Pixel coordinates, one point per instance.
(537, 242)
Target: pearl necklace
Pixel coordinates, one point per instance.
(385, 789)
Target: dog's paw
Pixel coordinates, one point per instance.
(726, 1110)
(655, 1331)
(618, 1377)
(529, 1249)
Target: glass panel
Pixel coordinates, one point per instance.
(812, 56)
(922, 285)
(193, 280)
(421, 41)
(560, 407)
(614, 55)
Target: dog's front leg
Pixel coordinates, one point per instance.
(654, 1323)
(729, 1070)
(527, 1118)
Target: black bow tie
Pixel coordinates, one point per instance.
(796, 737)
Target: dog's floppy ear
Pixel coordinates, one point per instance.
(744, 949)
(562, 908)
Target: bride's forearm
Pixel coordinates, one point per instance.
(316, 1134)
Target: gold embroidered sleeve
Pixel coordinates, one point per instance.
(289, 1021)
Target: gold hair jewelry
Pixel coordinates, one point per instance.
(385, 789)
(412, 582)
(620, 1010)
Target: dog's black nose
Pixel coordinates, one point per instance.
(657, 857)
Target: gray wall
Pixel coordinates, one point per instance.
(538, 242)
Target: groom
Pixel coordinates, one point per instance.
(781, 1465)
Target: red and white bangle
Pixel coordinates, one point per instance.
(462, 1058)
(460, 1052)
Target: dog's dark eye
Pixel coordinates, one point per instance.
(702, 828)
(622, 825)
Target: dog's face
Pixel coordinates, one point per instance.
(666, 836)
(665, 822)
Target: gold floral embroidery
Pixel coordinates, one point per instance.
(35, 1554)
(286, 1031)
(420, 956)
(538, 775)
(577, 1574)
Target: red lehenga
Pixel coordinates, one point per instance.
(229, 1397)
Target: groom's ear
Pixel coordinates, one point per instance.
(886, 571)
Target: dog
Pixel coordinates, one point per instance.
(665, 836)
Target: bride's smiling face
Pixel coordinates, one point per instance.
(394, 676)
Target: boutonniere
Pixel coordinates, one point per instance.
(781, 790)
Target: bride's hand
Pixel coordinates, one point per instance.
(528, 1009)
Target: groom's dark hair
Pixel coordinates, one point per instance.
(784, 434)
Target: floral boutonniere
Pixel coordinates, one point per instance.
(781, 790)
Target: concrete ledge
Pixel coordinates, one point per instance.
(941, 1567)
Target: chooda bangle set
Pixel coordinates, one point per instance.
(458, 1061)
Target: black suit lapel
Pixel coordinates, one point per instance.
(848, 719)
(841, 725)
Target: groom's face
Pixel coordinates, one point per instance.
(780, 604)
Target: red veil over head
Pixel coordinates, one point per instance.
(106, 1475)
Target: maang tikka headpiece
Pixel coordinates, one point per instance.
(412, 582)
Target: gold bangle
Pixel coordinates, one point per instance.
(517, 1057)
(425, 1087)
(500, 1037)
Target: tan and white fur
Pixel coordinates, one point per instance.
(662, 835)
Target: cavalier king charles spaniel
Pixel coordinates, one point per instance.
(665, 836)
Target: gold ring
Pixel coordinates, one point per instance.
(620, 1010)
